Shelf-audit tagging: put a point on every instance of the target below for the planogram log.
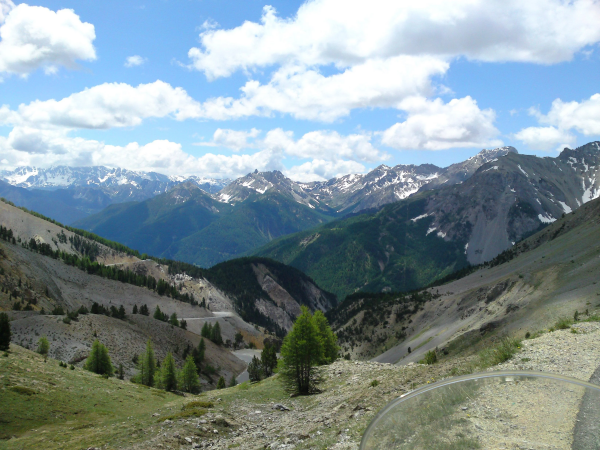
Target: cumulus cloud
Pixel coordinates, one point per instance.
(321, 170)
(232, 139)
(350, 33)
(106, 106)
(435, 125)
(35, 37)
(44, 148)
(545, 138)
(134, 61)
(329, 153)
(582, 116)
(308, 94)
(563, 118)
(324, 145)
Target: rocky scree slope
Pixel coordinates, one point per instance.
(529, 287)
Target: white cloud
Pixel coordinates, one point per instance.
(545, 138)
(105, 106)
(35, 37)
(349, 33)
(321, 170)
(43, 148)
(307, 94)
(133, 61)
(582, 116)
(324, 145)
(435, 125)
(232, 139)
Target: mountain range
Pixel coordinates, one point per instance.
(394, 228)
(67, 194)
(413, 242)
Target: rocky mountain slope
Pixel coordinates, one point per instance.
(269, 296)
(189, 225)
(410, 243)
(529, 287)
(384, 184)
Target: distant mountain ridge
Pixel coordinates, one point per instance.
(116, 182)
(408, 244)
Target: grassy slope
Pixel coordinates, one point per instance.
(371, 251)
(71, 409)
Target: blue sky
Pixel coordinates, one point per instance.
(315, 89)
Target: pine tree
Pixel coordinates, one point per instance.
(254, 369)
(183, 324)
(144, 310)
(173, 320)
(216, 334)
(120, 373)
(43, 347)
(198, 354)
(239, 339)
(301, 352)
(232, 381)
(99, 361)
(5, 333)
(328, 338)
(268, 359)
(147, 366)
(189, 376)
(168, 373)
(221, 383)
(206, 330)
(135, 309)
(158, 315)
(121, 312)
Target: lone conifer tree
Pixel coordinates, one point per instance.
(173, 320)
(221, 383)
(232, 381)
(158, 315)
(206, 330)
(255, 369)
(189, 376)
(168, 373)
(98, 361)
(328, 338)
(216, 334)
(43, 347)
(268, 359)
(147, 366)
(135, 309)
(5, 333)
(183, 324)
(198, 354)
(144, 310)
(301, 352)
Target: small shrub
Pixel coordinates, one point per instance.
(184, 415)
(67, 320)
(576, 316)
(374, 383)
(72, 367)
(564, 323)
(197, 404)
(23, 390)
(244, 386)
(527, 335)
(430, 358)
(500, 353)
